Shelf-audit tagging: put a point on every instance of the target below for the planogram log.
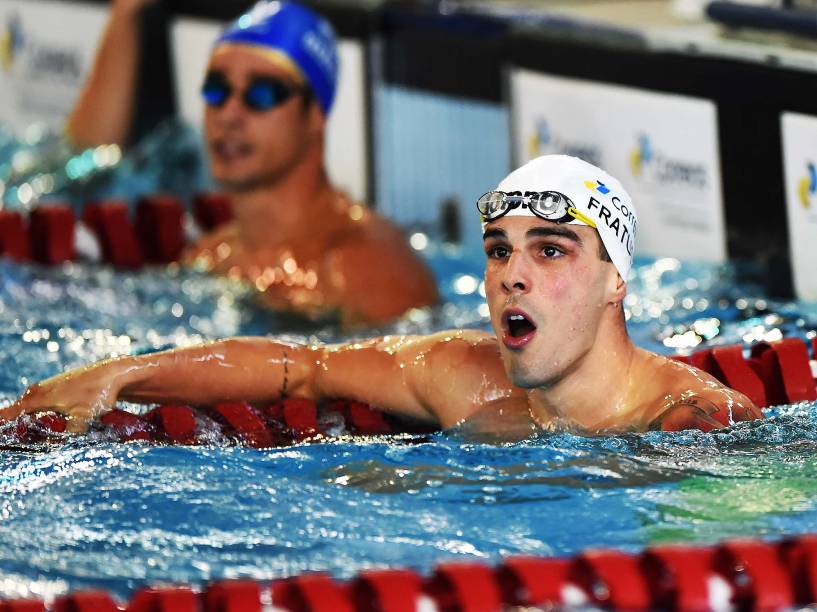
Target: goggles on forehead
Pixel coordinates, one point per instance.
(548, 205)
(262, 94)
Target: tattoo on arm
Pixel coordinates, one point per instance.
(698, 403)
(286, 377)
(693, 412)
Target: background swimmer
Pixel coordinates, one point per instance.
(269, 87)
(560, 353)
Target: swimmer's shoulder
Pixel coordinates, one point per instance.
(465, 370)
(679, 396)
(472, 357)
(207, 246)
(362, 227)
(375, 275)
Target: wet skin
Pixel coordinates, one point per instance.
(301, 243)
(576, 370)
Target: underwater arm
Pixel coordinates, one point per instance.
(104, 110)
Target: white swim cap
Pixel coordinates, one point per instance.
(593, 198)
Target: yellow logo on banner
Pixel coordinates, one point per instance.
(539, 139)
(807, 186)
(11, 40)
(640, 155)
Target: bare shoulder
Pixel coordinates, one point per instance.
(207, 246)
(455, 348)
(461, 372)
(375, 236)
(375, 274)
(680, 396)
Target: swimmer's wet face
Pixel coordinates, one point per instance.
(250, 149)
(548, 292)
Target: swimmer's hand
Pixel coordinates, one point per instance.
(81, 395)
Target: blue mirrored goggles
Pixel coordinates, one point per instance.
(262, 94)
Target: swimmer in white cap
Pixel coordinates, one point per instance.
(559, 236)
(296, 238)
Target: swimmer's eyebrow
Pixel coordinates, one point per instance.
(494, 233)
(537, 232)
(543, 232)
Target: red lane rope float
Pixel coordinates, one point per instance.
(22, 606)
(155, 234)
(14, 236)
(787, 364)
(315, 591)
(735, 574)
(527, 581)
(286, 422)
(728, 366)
(757, 574)
(160, 227)
(51, 234)
(464, 586)
(678, 576)
(800, 557)
(110, 222)
(776, 373)
(392, 590)
(611, 579)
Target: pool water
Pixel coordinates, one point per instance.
(90, 513)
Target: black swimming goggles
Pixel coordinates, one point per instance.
(262, 94)
(548, 205)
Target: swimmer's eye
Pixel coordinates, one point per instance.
(551, 251)
(497, 252)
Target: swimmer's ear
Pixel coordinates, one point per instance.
(617, 287)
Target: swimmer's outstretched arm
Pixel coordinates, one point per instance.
(413, 376)
(104, 110)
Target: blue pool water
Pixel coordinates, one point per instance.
(91, 513)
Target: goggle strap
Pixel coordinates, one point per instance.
(573, 212)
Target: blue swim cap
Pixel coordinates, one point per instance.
(302, 37)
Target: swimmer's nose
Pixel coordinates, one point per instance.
(232, 112)
(516, 277)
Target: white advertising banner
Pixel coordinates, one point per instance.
(800, 174)
(46, 51)
(663, 148)
(346, 146)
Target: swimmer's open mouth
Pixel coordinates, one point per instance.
(518, 327)
(229, 149)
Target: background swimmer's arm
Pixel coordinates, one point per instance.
(104, 110)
